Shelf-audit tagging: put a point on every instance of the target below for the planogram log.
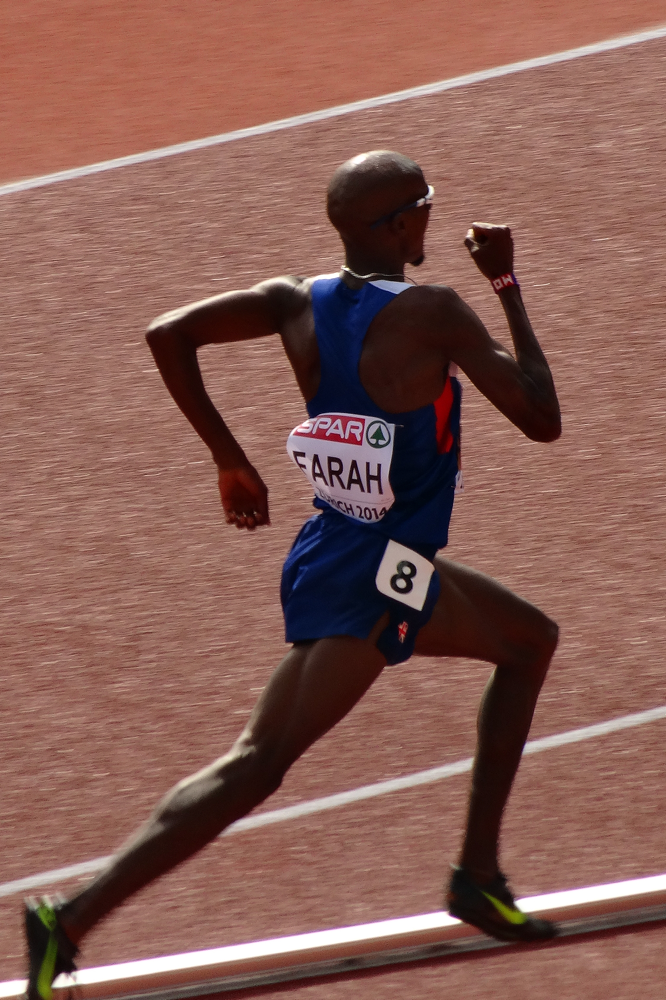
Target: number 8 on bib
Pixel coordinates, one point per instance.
(404, 575)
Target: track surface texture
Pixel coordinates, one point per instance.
(137, 629)
(83, 82)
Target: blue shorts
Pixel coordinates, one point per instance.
(328, 587)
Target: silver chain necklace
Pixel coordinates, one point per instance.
(375, 274)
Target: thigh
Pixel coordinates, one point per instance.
(313, 688)
(328, 580)
(477, 617)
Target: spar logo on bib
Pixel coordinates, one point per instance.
(347, 459)
(378, 435)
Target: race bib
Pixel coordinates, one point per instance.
(347, 459)
(404, 575)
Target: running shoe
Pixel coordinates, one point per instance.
(493, 909)
(50, 951)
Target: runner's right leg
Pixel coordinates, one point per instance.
(314, 687)
(477, 617)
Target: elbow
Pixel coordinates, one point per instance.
(165, 333)
(157, 330)
(543, 420)
(549, 436)
(154, 335)
(546, 430)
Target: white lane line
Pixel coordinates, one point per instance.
(425, 90)
(348, 946)
(356, 794)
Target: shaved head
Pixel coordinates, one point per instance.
(368, 186)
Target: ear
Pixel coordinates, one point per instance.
(398, 225)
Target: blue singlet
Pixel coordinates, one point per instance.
(376, 475)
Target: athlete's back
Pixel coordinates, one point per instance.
(393, 471)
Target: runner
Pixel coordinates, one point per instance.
(375, 359)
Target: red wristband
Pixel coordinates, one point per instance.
(504, 281)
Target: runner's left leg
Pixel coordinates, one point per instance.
(314, 687)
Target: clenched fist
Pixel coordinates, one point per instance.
(491, 249)
(244, 497)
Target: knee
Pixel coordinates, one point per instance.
(267, 771)
(550, 636)
(256, 765)
(534, 654)
(544, 644)
(246, 776)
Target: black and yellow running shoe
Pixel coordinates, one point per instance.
(493, 909)
(50, 951)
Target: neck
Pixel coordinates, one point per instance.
(360, 260)
(373, 275)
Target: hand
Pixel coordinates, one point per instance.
(244, 497)
(491, 249)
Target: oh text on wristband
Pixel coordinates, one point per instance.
(504, 281)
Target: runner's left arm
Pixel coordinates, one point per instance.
(519, 385)
(174, 339)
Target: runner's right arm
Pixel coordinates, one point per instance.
(174, 339)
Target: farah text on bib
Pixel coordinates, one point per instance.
(347, 459)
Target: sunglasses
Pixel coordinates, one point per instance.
(425, 200)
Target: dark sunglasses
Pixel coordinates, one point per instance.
(425, 200)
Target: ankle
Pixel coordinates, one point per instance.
(67, 923)
(482, 874)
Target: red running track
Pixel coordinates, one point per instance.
(137, 629)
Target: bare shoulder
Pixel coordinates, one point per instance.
(439, 301)
(437, 310)
(441, 324)
(446, 299)
(286, 297)
(264, 309)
